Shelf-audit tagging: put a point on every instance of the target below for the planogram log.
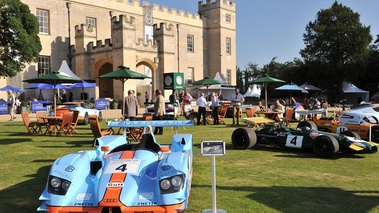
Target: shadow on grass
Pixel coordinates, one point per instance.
(23, 197)
(306, 199)
(13, 140)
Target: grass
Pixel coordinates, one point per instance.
(262, 179)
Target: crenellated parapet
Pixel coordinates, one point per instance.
(100, 47)
(123, 22)
(228, 4)
(85, 30)
(164, 29)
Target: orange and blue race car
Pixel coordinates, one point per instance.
(120, 177)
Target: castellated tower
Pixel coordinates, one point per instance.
(219, 19)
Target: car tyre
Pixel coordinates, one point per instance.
(374, 133)
(351, 134)
(309, 124)
(86, 119)
(325, 146)
(100, 116)
(244, 138)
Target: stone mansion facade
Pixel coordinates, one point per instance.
(96, 36)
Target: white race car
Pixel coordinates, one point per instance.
(355, 115)
(171, 110)
(84, 111)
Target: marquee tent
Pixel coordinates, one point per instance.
(353, 94)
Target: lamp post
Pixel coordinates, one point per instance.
(177, 32)
(68, 5)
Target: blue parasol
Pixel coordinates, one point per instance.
(13, 89)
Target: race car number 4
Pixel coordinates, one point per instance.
(123, 166)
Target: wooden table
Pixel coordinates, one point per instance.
(52, 122)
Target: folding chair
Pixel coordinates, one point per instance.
(287, 119)
(75, 119)
(250, 112)
(65, 127)
(41, 122)
(96, 128)
(32, 127)
(221, 116)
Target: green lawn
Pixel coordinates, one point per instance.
(262, 179)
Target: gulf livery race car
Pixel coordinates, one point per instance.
(306, 136)
(120, 177)
(84, 111)
(364, 125)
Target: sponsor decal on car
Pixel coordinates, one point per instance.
(83, 196)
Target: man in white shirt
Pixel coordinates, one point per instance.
(237, 100)
(202, 104)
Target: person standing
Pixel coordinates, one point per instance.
(237, 100)
(146, 98)
(202, 104)
(11, 105)
(215, 104)
(131, 106)
(159, 110)
(63, 97)
(70, 97)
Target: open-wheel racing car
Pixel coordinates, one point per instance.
(120, 177)
(305, 136)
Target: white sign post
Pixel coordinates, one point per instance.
(213, 148)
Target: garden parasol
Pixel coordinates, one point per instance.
(13, 89)
(207, 82)
(53, 78)
(291, 87)
(309, 87)
(83, 84)
(123, 74)
(46, 86)
(265, 80)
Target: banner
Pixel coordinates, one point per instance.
(3, 107)
(39, 106)
(101, 104)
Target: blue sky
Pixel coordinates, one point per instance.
(274, 28)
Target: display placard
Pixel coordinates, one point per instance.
(173, 81)
(210, 148)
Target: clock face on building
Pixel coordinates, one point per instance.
(179, 80)
(168, 80)
(148, 19)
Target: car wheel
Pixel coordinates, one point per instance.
(374, 133)
(325, 146)
(244, 138)
(309, 124)
(86, 119)
(100, 116)
(351, 134)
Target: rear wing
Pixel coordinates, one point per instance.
(160, 123)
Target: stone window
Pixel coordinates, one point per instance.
(190, 43)
(43, 65)
(228, 46)
(43, 21)
(90, 22)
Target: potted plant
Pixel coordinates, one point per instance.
(115, 103)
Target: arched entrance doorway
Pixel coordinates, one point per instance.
(146, 86)
(105, 84)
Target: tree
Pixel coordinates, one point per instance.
(336, 46)
(19, 41)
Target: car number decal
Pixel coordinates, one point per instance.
(294, 141)
(123, 166)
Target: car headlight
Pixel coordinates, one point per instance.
(172, 184)
(58, 186)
